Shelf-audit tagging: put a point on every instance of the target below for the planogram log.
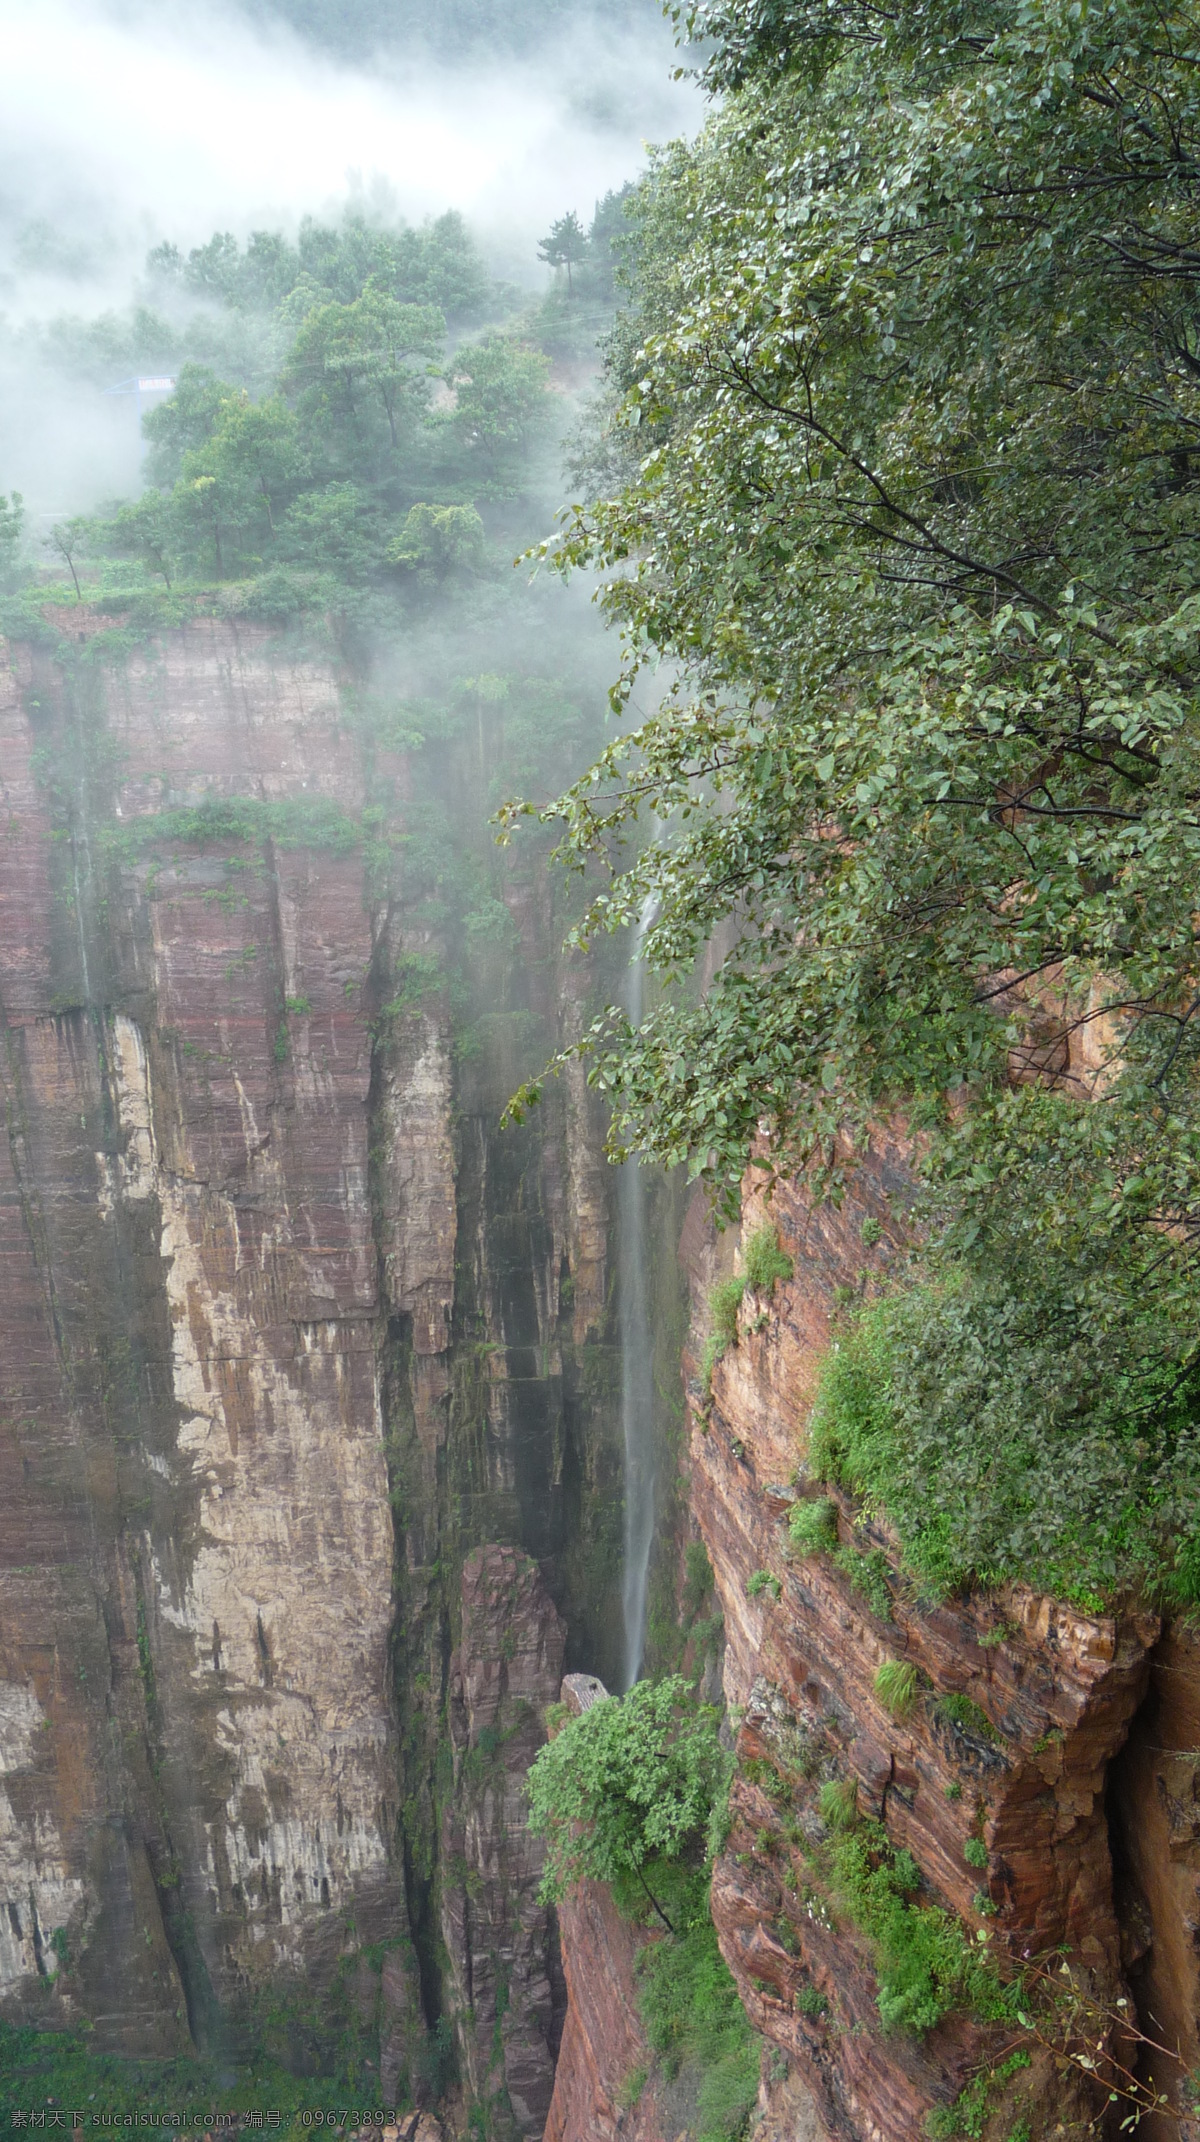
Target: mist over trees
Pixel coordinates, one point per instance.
(364, 433)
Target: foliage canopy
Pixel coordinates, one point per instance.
(905, 413)
(635, 1779)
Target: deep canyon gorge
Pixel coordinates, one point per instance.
(600, 1059)
(312, 1442)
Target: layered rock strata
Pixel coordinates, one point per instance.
(1006, 1755)
(282, 1335)
(502, 1942)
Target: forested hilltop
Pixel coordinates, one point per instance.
(898, 471)
(363, 432)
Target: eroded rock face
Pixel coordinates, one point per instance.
(286, 1328)
(503, 1943)
(191, 1406)
(1023, 1773)
(1155, 1793)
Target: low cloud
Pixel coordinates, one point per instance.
(120, 125)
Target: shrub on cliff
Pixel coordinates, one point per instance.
(1019, 1437)
(633, 1794)
(633, 1783)
(925, 1964)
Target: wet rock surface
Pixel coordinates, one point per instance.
(1023, 1769)
(502, 1942)
(286, 1330)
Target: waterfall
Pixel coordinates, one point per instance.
(637, 1365)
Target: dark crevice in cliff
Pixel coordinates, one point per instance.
(1153, 1830)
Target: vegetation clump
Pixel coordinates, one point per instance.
(896, 1685)
(634, 1782)
(812, 2003)
(838, 1803)
(633, 1793)
(812, 1526)
(962, 1711)
(986, 1471)
(924, 1961)
(869, 1575)
(763, 1263)
(760, 1581)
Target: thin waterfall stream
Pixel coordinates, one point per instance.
(637, 1364)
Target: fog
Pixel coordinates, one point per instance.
(125, 125)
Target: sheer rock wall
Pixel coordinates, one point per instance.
(283, 1334)
(1034, 1778)
(502, 1942)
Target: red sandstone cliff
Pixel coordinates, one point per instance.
(237, 1443)
(1057, 1693)
(1079, 1777)
(502, 1942)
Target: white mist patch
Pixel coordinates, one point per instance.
(118, 126)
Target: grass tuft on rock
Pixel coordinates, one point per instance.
(896, 1686)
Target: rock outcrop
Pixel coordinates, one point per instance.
(502, 1942)
(1006, 1755)
(285, 1331)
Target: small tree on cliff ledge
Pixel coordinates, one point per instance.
(635, 1780)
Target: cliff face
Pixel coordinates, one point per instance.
(280, 1340)
(1027, 1770)
(503, 1943)
(1060, 1747)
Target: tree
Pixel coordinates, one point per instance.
(70, 539)
(186, 420)
(338, 529)
(438, 541)
(344, 355)
(12, 517)
(912, 491)
(500, 397)
(934, 646)
(632, 1781)
(256, 448)
(566, 246)
(141, 530)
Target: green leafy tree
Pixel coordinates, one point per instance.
(338, 529)
(565, 246)
(12, 519)
(607, 241)
(501, 398)
(933, 651)
(69, 540)
(346, 357)
(185, 421)
(910, 493)
(634, 1780)
(142, 530)
(256, 448)
(437, 265)
(437, 542)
